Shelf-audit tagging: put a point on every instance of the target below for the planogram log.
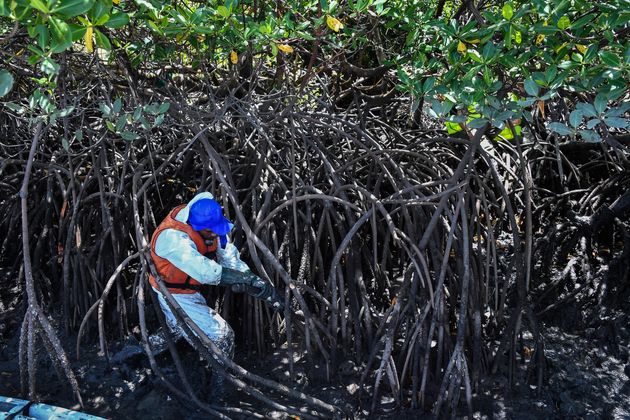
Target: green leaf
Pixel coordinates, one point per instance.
(616, 122)
(590, 53)
(61, 33)
(586, 109)
(43, 37)
(590, 136)
(5, 8)
(129, 135)
(223, 11)
(478, 123)
(117, 105)
(105, 109)
(14, 107)
(65, 144)
(610, 59)
(600, 103)
(560, 128)
(6, 82)
(592, 123)
(158, 120)
(40, 5)
(102, 41)
(507, 11)
(70, 8)
(102, 20)
(163, 108)
(618, 111)
(575, 118)
(531, 87)
(110, 126)
(137, 113)
(99, 11)
(49, 66)
(117, 20)
(564, 22)
(121, 122)
(583, 21)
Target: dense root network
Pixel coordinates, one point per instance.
(424, 257)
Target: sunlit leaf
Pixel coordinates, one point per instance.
(223, 11)
(507, 11)
(564, 22)
(233, 57)
(89, 32)
(334, 23)
(285, 48)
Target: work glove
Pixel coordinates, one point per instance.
(230, 277)
(262, 290)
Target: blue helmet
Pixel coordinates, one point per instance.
(207, 214)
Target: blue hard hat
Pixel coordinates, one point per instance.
(207, 214)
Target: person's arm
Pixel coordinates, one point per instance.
(181, 251)
(229, 257)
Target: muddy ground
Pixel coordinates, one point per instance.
(587, 377)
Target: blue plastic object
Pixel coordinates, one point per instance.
(14, 408)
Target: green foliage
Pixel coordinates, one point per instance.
(508, 60)
(544, 51)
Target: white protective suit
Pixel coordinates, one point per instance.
(181, 251)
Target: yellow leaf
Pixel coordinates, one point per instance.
(285, 48)
(116, 1)
(333, 23)
(233, 57)
(539, 39)
(518, 38)
(89, 31)
(581, 48)
(473, 41)
(461, 47)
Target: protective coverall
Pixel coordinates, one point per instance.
(180, 250)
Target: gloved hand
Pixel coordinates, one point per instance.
(230, 277)
(263, 291)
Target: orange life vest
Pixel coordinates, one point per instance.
(176, 280)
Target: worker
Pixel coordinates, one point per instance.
(190, 249)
